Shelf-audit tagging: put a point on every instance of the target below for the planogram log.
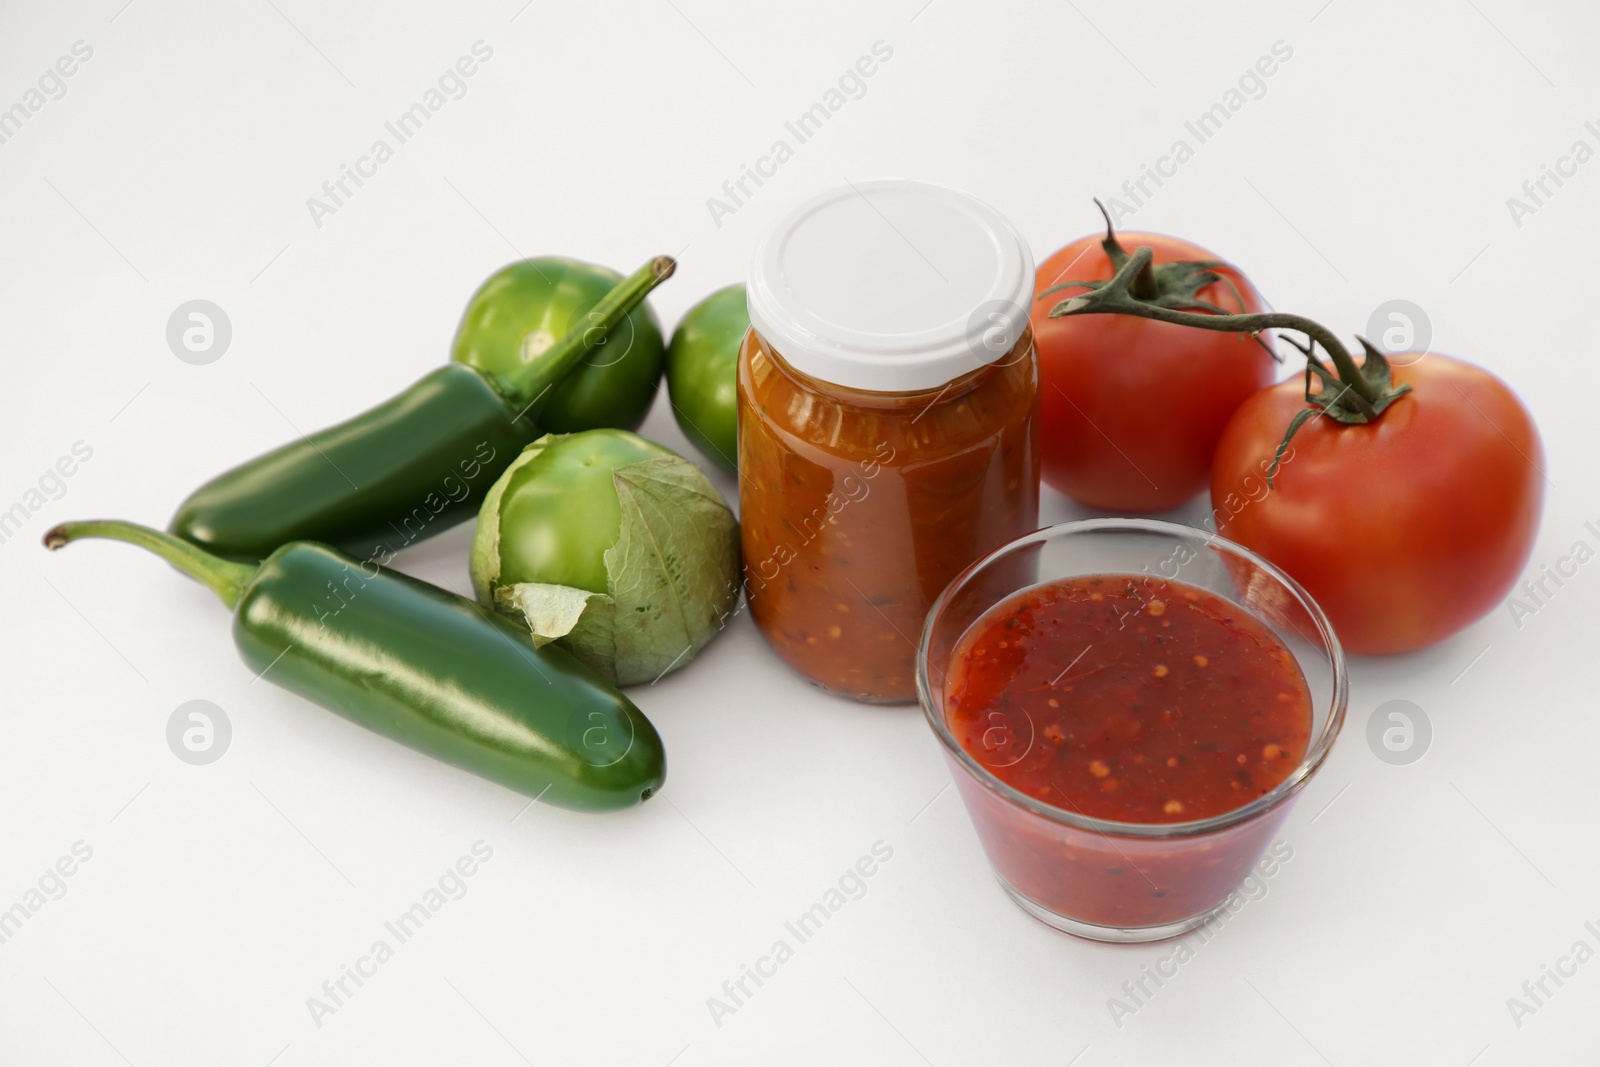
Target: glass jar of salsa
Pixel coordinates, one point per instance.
(888, 423)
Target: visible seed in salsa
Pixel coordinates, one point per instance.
(1192, 723)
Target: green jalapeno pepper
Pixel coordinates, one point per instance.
(407, 469)
(432, 670)
(527, 306)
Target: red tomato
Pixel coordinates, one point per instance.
(1405, 529)
(1131, 408)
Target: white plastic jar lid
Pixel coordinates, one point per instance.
(891, 286)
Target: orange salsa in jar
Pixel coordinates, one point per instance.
(888, 423)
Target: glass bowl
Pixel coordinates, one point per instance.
(1124, 881)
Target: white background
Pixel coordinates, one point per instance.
(1376, 166)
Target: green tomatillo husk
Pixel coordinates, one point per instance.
(612, 546)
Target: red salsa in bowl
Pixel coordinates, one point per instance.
(1128, 698)
(1126, 743)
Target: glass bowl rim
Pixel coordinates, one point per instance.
(1316, 753)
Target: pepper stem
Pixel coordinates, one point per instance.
(528, 385)
(223, 577)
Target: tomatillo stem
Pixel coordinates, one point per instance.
(223, 577)
(532, 383)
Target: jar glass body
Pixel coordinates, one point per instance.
(857, 508)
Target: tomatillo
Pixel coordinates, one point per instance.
(617, 549)
(703, 370)
(523, 309)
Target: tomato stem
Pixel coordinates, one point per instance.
(1116, 298)
(1352, 393)
(1144, 285)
